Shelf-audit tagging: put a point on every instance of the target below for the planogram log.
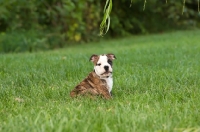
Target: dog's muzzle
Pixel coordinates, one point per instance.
(106, 68)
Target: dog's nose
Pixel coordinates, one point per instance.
(106, 68)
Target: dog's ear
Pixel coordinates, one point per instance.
(94, 58)
(111, 56)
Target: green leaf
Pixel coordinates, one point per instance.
(105, 24)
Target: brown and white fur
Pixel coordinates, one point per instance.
(99, 81)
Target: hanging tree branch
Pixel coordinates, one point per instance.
(183, 6)
(144, 4)
(105, 24)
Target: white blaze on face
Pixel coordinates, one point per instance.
(101, 63)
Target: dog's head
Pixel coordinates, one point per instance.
(103, 64)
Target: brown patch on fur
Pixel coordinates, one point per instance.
(94, 59)
(93, 86)
(111, 56)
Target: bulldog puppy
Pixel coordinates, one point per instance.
(99, 81)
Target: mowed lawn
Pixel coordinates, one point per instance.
(156, 87)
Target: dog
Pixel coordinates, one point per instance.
(99, 81)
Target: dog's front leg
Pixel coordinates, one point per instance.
(104, 92)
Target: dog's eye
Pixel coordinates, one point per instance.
(110, 62)
(99, 64)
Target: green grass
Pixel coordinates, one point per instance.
(156, 87)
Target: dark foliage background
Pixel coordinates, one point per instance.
(47, 24)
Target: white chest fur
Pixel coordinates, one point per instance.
(109, 82)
